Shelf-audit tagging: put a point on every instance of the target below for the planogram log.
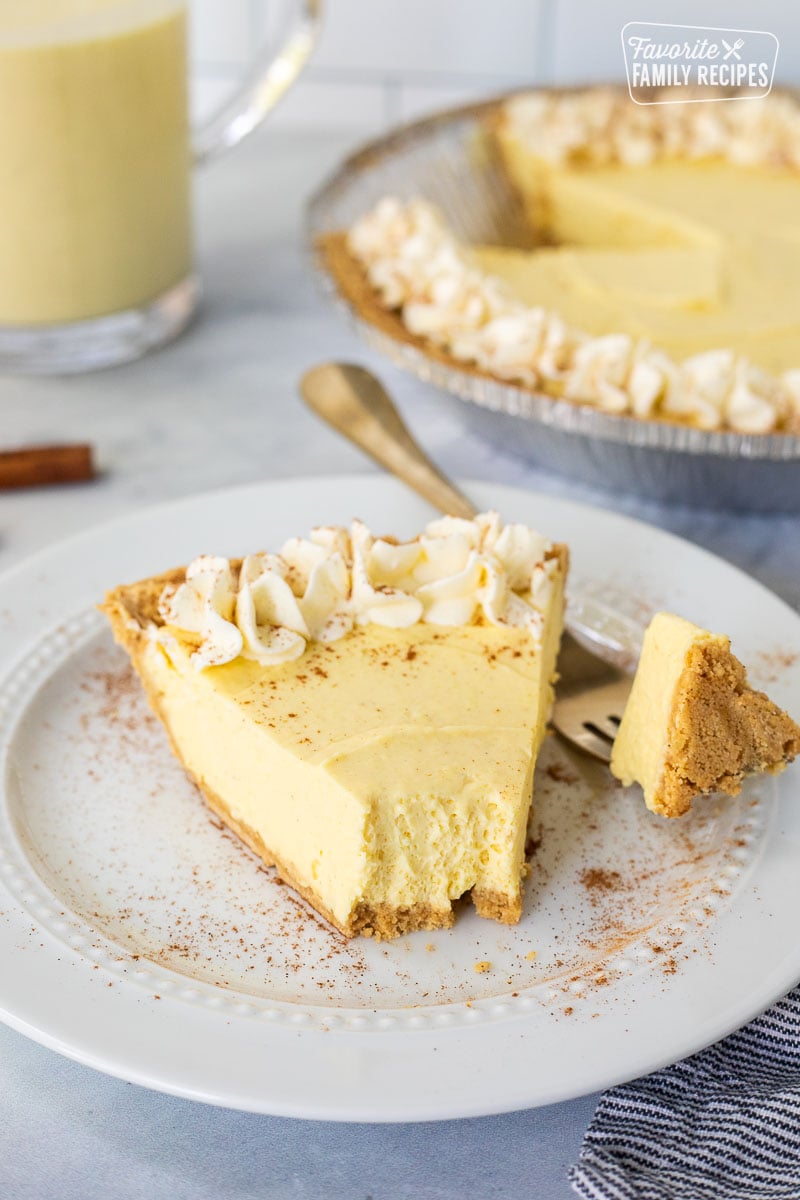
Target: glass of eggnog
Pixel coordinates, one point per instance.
(96, 151)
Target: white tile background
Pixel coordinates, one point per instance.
(383, 61)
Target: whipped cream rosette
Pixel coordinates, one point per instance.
(319, 588)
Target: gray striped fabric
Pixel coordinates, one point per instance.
(723, 1125)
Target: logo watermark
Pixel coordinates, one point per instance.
(696, 59)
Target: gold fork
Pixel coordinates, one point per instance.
(592, 689)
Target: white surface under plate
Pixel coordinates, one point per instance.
(138, 937)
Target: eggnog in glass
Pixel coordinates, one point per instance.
(95, 162)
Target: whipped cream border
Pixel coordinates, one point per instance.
(600, 125)
(419, 269)
(321, 587)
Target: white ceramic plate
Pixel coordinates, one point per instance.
(137, 937)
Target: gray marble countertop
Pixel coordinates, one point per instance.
(219, 407)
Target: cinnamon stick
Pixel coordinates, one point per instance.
(38, 466)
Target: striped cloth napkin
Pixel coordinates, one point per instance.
(723, 1125)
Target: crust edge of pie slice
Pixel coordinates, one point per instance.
(693, 725)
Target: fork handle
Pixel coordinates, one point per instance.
(355, 403)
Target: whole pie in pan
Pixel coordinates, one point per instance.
(662, 278)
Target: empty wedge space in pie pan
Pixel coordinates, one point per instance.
(447, 160)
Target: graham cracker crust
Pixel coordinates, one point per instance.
(497, 906)
(133, 606)
(721, 731)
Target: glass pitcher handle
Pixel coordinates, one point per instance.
(265, 83)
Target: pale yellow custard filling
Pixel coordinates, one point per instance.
(391, 767)
(691, 256)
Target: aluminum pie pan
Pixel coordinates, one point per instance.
(445, 159)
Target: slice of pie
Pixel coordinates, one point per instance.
(661, 279)
(364, 714)
(692, 724)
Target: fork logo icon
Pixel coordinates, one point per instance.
(732, 49)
